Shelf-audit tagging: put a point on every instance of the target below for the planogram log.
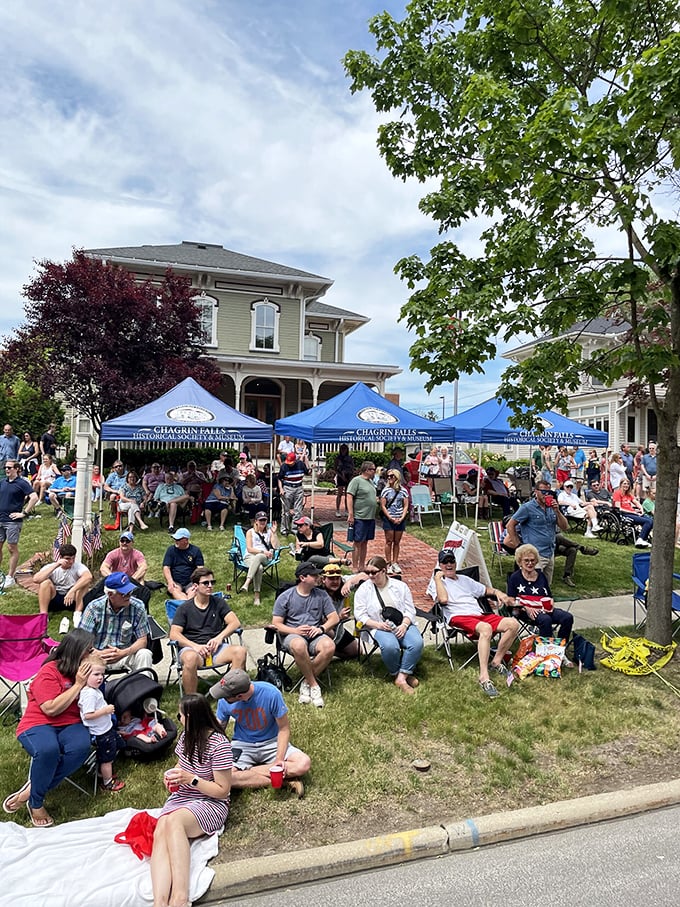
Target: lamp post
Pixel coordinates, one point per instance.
(443, 399)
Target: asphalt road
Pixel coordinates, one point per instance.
(629, 861)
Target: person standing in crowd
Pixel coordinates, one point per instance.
(17, 500)
(9, 445)
(344, 473)
(361, 504)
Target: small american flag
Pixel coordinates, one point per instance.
(64, 527)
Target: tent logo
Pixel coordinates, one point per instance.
(190, 413)
(545, 423)
(375, 415)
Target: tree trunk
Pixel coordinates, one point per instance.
(663, 550)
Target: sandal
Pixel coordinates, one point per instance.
(113, 785)
(47, 822)
(12, 809)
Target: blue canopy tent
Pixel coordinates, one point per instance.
(488, 423)
(187, 412)
(360, 415)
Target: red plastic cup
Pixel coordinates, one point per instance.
(276, 775)
(171, 783)
(228, 587)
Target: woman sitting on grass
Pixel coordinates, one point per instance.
(198, 803)
(385, 607)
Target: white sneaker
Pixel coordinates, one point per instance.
(596, 527)
(589, 535)
(77, 617)
(221, 528)
(9, 582)
(317, 698)
(643, 543)
(304, 698)
(396, 568)
(64, 625)
(338, 514)
(209, 528)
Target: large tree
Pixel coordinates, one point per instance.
(26, 408)
(550, 131)
(106, 342)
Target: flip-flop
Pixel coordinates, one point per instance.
(37, 823)
(5, 803)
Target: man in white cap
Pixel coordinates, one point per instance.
(261, 735)
(119, 624)
(573, 506)
(180, 561)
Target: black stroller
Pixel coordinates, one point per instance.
(139, 693)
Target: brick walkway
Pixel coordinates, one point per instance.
(416, 558)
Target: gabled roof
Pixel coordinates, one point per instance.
(205, 255)
(601, 327)
(331, 311)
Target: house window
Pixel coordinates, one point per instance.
(264, 332)
(312, 348)
(207, 307)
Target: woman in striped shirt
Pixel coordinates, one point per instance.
(198, 806)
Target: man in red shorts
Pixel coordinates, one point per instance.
(458, 597)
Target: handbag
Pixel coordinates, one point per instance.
(139, 834)
(584, 652)
(391, 615)
(270, 672)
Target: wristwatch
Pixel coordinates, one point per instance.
(195, 780)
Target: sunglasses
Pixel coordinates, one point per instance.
(206, 582)
(372, 572)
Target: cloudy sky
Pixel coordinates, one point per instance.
(217, 121)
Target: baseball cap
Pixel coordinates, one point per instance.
(242, 456)
(119, 582)
(568, 484)
(291, 458)
(303, 521)
(307, 568)
(127, 535)
(261, 515)
(66, 468)
(446, 555)
(235, 682)
(182, 534)
(332, 570)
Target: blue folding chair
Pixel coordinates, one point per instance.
(641, 562)
(237, 554)
(171, 606)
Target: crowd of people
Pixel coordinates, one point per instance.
(111, 627)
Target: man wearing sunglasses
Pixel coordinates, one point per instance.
(17, 499)
(201, 627)
(119, 623)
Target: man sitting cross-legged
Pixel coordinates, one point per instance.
(63, 584)
(201, 627)
(458, 597)
(304, 615)
(261, 736)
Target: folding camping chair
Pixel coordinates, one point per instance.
(422, 503)
(171, 606)
(237, 554)
(641, 562)
(498, 552)
(445, 636)
(24, 645)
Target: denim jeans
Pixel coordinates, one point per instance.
(400, 654)
(56, 752)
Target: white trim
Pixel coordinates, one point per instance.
(254, 308)
(202, 300)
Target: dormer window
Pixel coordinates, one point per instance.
(264, 331)
(207, 307)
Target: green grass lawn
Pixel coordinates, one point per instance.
(542, 740)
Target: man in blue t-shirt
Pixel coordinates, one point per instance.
(179, 562)
(261, 737)
(538, 520)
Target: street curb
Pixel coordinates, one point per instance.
(258, 874)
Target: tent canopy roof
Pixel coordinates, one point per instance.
(359, 415)
(487, 423)
(187, 412)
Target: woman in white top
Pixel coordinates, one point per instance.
(261, 544)
(617, 471)
(401, 644)
(47, 473)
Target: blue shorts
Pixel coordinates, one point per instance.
(364, 530)
(389, 526)
(107, 745)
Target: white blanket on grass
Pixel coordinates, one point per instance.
(78, 864)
